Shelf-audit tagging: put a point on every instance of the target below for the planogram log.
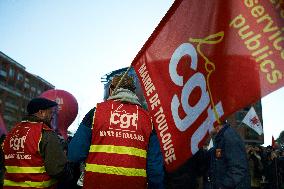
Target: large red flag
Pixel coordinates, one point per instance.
(204, 61)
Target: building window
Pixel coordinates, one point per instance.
(11, 72)
(3, 73)
(38, 92)
(26, 85)
(33, 89)
(20, 77)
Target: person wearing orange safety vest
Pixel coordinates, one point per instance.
(33, 156)
(119, 143)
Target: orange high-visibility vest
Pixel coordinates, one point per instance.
(118, 151)
(23, 162)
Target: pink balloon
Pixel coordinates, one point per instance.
(67, 108)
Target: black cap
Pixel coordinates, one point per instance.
(37, 104)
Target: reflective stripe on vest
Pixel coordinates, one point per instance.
(119, 150)
(43, 184)
(115, 170)
(16, 169)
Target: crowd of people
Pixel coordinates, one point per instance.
(116, 146)
(266, 165)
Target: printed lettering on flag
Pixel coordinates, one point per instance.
(204, 61)
(251, 119)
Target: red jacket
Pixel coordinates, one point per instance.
(117, 156)
(23, 162)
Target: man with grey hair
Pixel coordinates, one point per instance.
(32, 151)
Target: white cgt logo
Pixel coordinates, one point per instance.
(192, 112)
(123, 118)
(17, 142)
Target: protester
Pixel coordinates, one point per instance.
(117, 143)
(281, 169)
(34, 157)
(255, 166)
(187, 176)
(270, 169)
(2, 167)
(228, 167)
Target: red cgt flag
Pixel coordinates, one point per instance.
(205, 60)
(273, 142)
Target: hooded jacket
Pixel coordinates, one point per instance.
(80, 144)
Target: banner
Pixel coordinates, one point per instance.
(252, 120)
(204, 61)
(274, 143)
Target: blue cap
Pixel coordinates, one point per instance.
(37, 104)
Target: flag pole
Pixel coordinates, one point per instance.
(120, 81)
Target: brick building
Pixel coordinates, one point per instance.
(17, 88)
